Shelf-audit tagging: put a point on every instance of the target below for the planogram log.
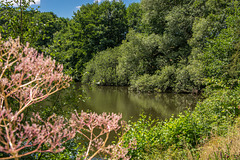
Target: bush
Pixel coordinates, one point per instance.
(101, 69)
(189, 78)
(182, 134)
(145, 132)
(218, 111)
(160, 82)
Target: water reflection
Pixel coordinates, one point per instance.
(117, 100)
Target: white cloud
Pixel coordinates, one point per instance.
(37, 2)
(78, 7)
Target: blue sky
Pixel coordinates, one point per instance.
(65, 8)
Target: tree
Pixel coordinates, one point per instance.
(102, 69)
(134, 17)
(155, 12)
(67, 49)
(94, 28)
(214, 43)
(17, 17)
(220, 54)
(41, 29)
(30, 25)
(139, 55)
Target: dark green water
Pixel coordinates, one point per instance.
(117, 100)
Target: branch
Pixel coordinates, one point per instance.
(107, 136)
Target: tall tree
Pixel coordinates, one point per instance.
(134, 17)
(20, 20)
(94, 28)
(41, 29)
(17, 16)
(102, 25)
(155, 12)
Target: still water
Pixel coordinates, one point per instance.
(118, 100)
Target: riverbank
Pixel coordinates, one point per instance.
(223, 147)
(182, 136)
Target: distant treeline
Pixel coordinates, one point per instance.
(154, 45)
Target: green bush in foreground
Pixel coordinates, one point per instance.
(144, 131)
(182, 134)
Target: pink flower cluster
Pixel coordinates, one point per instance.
(16, 136)
(96, 129)
(28, 77)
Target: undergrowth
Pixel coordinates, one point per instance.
(183, 135)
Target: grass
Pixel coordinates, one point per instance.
(227, 147)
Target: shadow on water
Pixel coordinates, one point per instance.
(117, 100)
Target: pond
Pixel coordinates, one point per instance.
(117, 100)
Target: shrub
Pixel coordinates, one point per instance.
(180, 135)
(101, 69)
(160, 82)
(145, 133)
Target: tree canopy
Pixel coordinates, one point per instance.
(196, 40)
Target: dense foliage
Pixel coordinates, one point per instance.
(186, 46)
(30, 25)
(192, 46)
(178, 51)
(154, 45)
(93, 28)
(178, 135)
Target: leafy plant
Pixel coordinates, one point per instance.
(145, 132)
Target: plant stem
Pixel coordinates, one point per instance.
(21, 21)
